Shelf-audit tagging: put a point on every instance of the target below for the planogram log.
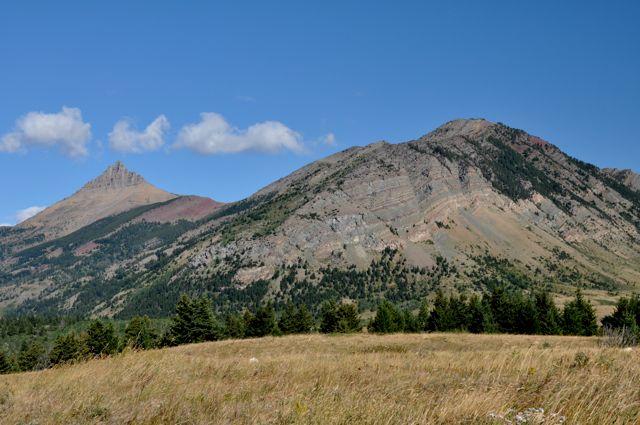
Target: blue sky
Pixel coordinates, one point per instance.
(285, 83)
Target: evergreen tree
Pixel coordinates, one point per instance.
(304, 322)
(204, 326)
(167, 339)
(388, 319)
(411, 323)
(234, 326)
(263, 323)
(287, 322)
(423, 315)
(139, 333)
(490, 325)
(548, 317)
(348, 319)
(626, 315)
(480, 318)
(336, 317)
(328, 317)
(32, 356)
(182, 323)
(193, 322)
(579, 318)
(526, 314)
(296, 320)
(459, 313)
(248, 317)
(6, 365)
(503, 310)
(66, 348)
(101, 338)
(440, 318)
(629, 324)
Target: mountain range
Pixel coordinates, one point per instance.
(469, 206)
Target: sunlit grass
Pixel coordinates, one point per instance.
(395, 379)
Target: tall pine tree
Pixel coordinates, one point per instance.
(194, 322)
(548, 316)
(66, 348)
(440, 318)
(263, 323)
(6, 365)
(579, 317)
(139, 333)
(32, 356)
(388, 319)
(101, 338)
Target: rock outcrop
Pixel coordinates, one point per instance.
(627, 177)
(469, 188)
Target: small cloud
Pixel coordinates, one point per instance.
(125, 140)
(65, 130)
(246, 99)
(6, 225)
(328, 139)
(27, 213)
(213, 134)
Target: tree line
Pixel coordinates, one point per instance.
(194, 321)
(499, 311)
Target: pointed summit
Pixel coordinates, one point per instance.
(116, 176)
(114, 191)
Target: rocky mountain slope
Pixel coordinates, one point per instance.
(470, 205)
(114, 191)
(627, 177)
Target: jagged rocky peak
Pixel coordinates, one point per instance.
(117, 176)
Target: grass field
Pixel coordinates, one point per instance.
(354, 379)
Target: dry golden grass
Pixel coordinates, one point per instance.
(356, 379)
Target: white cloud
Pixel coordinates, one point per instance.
(64, 129)
(6, 225)
(213, 134)
(123, 139)
(328, 139)
(27, 213)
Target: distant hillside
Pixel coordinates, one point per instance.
(469, 206)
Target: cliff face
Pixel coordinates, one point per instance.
(470, 205)
(469, 188)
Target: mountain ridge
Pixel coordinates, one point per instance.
(469, 205)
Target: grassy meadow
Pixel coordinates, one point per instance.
(347, 379)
